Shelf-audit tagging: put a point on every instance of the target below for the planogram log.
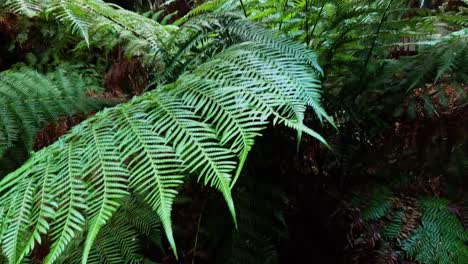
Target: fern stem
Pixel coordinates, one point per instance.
(377, 34)
(307, 22)
(243, 8)
(317, 20)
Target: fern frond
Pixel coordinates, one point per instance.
(424, 230)
(147, 154)
(146, 146)
(42, 211)
(441, 238)
(117, 243)
(119, 240)
(29, 100)
(209, 7)
(69, 219)
(70, 11)
(107, 178)
(15, 236)
(103, 24)
(393, 229)
(377, 204)
(29, 8)
(142, 218)
(251, 32)
(195, 143)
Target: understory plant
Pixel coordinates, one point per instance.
(202, 125)
(114, 188)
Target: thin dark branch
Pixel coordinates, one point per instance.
(307, 22)
(377, 34)
(317, 20)
(243, 8)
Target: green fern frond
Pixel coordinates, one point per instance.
(29, 8)
(69, 219)
(148, 145)
(423, 230)
(107, 182)
(41, 211)
(142, 218)
(393, 229)
(119, 240)
(251, 32)
(15, 236)
(210, 7)
(104, 25)
(147, 154)
(70, 11)
(448, 55)
(195, 143)
(377, 204)
(29, 100)
(441, 238)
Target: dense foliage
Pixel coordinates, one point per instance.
(113, 113)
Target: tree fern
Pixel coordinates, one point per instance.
(148, 145)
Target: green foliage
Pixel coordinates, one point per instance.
(459, 17)
(29, 100)
(440, 238)
(220, 80)
(428, 233)
(102, 25)
(446, 56)
(355, 42)
(376, 204)
(341, 29)
(394, 227)
(119, 240)
(160, 16)
(147, 146)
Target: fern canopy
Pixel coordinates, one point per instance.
(204, 124)
(102, 25)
